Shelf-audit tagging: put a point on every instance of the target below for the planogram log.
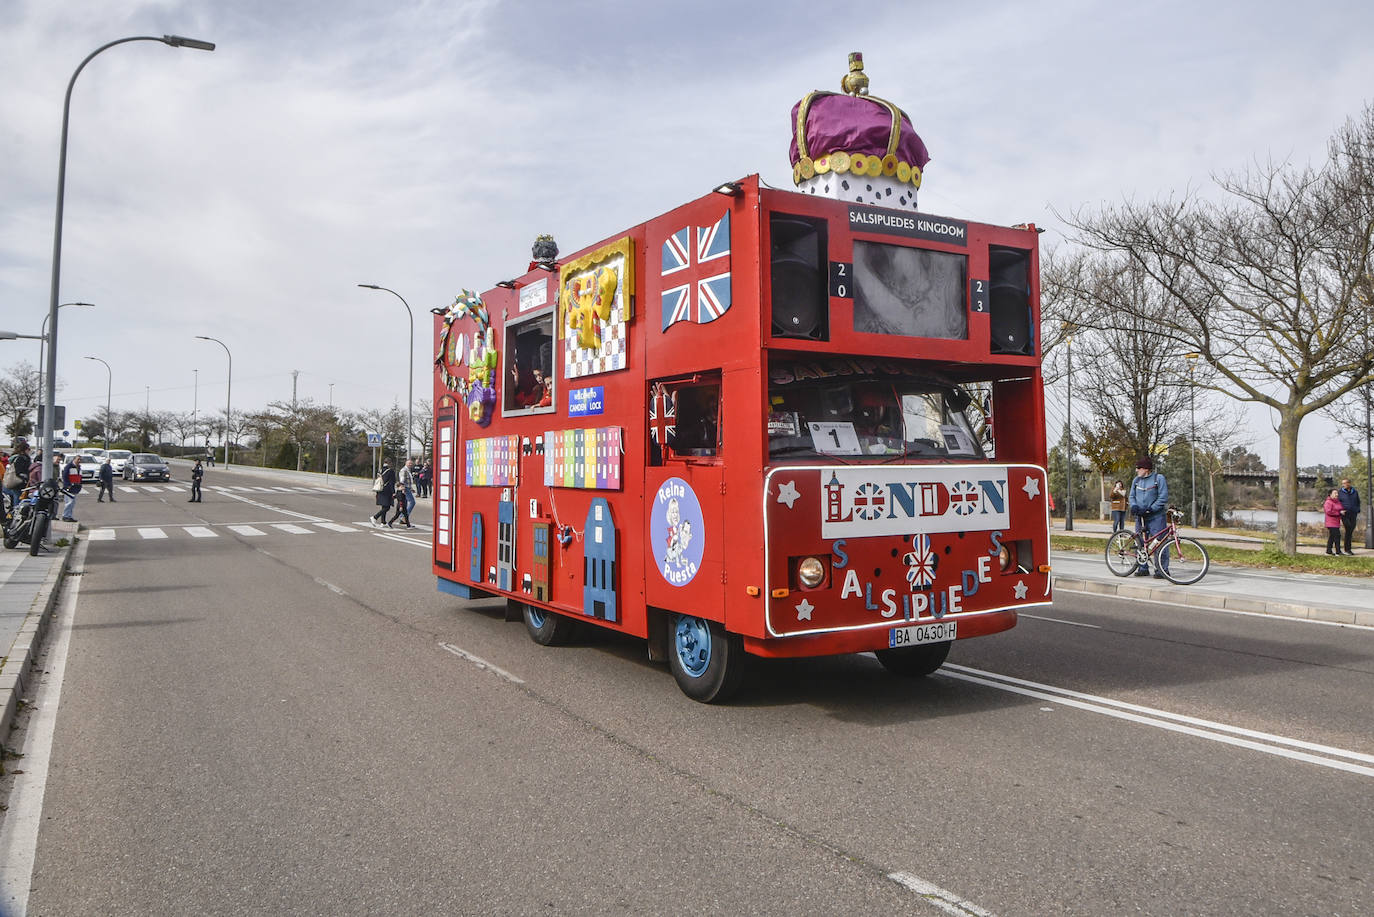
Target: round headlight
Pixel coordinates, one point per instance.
(1006, 557)
(810, 572)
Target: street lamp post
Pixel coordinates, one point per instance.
(195, 405)
(42, 344)
(228, 391)
(1192, 423)
(410, 379)
(109, 381)
(1068, 435)
(50, 393)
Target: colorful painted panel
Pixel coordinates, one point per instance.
(594, 308)
(588, 459)
(599, 563)
(541, 561)
(493, 461)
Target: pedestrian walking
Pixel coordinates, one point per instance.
(422, 480)
(1332, 510)
(385, 489)
(197, 473)
(71, 481)
(1118, 497)
(405, 493)
(1149, 499)
(36, 469)
(106, 476)
(1350, 510)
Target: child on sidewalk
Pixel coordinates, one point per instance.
(1332, 509)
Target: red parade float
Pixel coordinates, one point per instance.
(764, 423)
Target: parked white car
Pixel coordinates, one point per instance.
(117, 459)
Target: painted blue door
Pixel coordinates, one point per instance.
(598, 563)
(505, 544)
(475, 556)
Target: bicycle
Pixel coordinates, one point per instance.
(1128, 552)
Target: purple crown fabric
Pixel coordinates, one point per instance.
(855, 125)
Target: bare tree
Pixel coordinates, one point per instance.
(183, 425)
(19, 398)
(303, 421)
(1271, 286)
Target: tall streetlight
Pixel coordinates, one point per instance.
(195, 406)
(1068, 431)
(1192, 423)
(410, 381)
(50, 395)
(52, 420)
(109, 382)
(228, 390)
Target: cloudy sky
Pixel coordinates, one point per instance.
(242, 194)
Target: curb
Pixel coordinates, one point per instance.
(23, 654)
(1181, 597)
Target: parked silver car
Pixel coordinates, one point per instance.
(144, 466)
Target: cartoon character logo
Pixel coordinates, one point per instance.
(676, 532)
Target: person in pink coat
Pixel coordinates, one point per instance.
(1332, 509)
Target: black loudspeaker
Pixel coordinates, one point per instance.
(800, 283)
(1009, 300)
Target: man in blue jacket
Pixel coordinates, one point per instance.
(1350, 509)
(1149, 499)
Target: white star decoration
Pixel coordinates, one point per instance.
(1031, 487)
(804, 610)
(1020, 589)
(787, 493)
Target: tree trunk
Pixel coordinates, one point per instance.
(1212, 497)
(1288, 483)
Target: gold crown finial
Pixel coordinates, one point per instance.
(855, 82)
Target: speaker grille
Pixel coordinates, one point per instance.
(800, 288)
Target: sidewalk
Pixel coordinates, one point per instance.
(29, 587)
(1318, 597)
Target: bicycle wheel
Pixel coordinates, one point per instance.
(1122, 553)
(1188, 562)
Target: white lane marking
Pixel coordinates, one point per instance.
(290, 529)
(101, 534)
(336, 527)
(199, 531)
(246, 530)
(330, 586)
(1268, 743)
(19, 833)
(152, 533)
(1060, 621)
(403, 539)
(948, 902)
(482, 663)
(277, 509)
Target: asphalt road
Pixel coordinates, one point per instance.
(296, 722)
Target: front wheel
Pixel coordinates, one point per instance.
(1123, 554)
(38, 533)
(547, 628)
(1188, 561)
(707, 662)
(914, 661)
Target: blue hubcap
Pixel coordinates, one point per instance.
(536, 617)
(692, 640)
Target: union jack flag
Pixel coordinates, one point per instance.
(963, 496)
(922, 563)
(700, 269)
(663, 417)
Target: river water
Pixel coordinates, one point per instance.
(1269, 519)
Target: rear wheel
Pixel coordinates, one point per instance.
(38, 533)
(1188, 562)
(1122, 554)
(707, 662)
(914, 661)
(547, 628)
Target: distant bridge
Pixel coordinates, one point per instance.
(1269, 479)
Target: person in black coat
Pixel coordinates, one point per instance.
(106, 476)
(1350, 510)
(385, 495)
(197, 474)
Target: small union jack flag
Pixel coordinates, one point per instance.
(922, 563)
(699, 270)
(869, 501)
(963, 496)
(663, 417)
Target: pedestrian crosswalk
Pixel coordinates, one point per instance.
(186, 488)
(254, 530)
